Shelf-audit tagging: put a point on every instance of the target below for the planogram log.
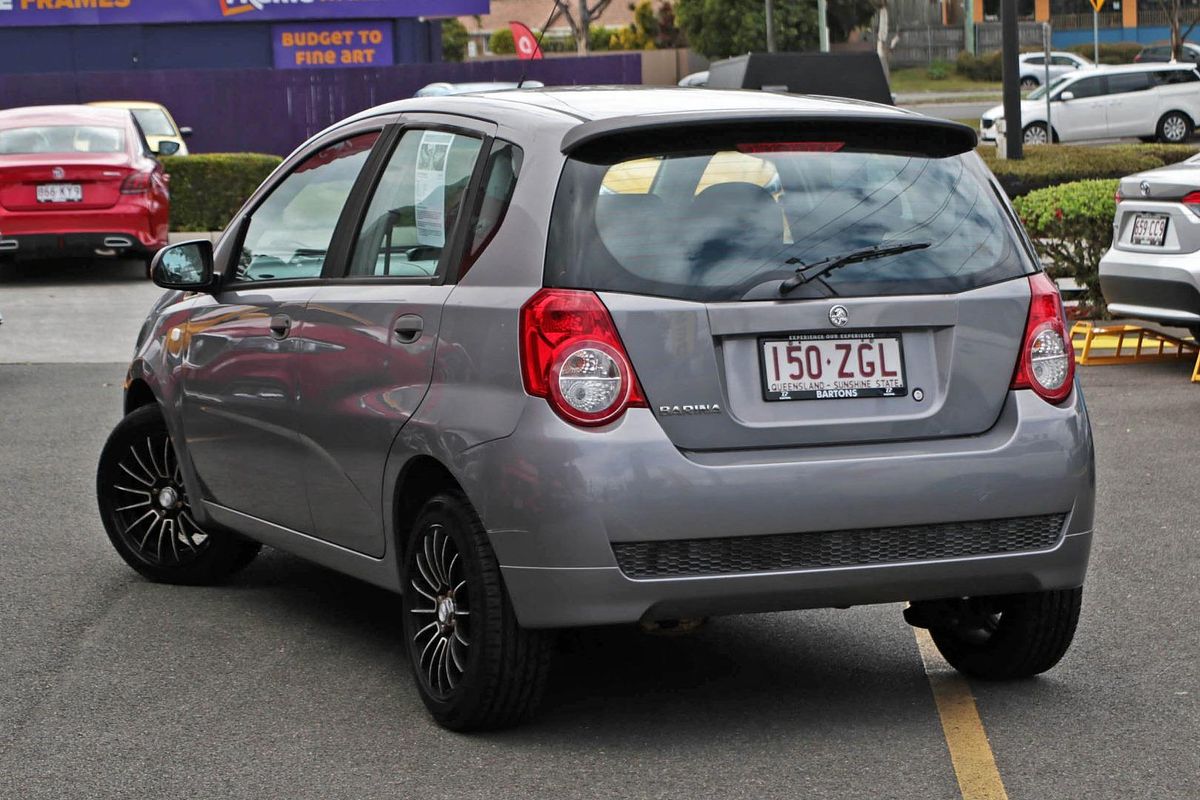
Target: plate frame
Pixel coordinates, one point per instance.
(1166, 224)
(57, 202)
(809, 336)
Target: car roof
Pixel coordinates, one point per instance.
(127, 104)
(1110, 69)
(64, 115)
(587, 103)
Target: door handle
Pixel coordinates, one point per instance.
(408, 328)
(281, 326)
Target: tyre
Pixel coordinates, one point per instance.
(147, 514)
(474, 666)
(1175, 127)
(1028, 84)
(1010, 637)
(1036, 133)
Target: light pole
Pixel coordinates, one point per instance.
(770, 26)
(1013, 135)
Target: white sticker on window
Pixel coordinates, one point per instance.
(430, 188)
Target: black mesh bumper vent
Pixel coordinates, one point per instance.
(795, 551)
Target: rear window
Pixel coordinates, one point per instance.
(714, 225)
(62, 139)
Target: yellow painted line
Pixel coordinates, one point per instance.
(970, 752)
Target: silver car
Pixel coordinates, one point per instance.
(1152, 271)
(1033, 70)
(544, 359)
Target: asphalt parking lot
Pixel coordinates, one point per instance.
(290, 682)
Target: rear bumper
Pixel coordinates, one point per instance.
(81, 233)
(556, 499)
(1160, 287)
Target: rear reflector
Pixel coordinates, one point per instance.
(1046, 363)
(791, 147)
(572, 355)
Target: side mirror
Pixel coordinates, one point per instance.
(1065, 96)
(185, 131)
(187, 266)
(167, 148)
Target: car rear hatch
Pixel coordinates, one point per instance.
(689, 248)
(62, 182)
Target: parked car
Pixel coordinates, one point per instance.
(164, 135)
(1147, 101)
(77, 181)
(1152, 270)
(526, 398)
(1161, 52)
(443, 89)
(1033, 67)
(695, 79)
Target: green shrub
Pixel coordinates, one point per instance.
(985, 67)
(1050, 165)
(939, 70)
(208, 189)
(501, 42)
(454, 40)
(1072, 225)
(1110, 52)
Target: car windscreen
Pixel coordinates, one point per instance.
(62, 139)
(154, 122)
(711, 226)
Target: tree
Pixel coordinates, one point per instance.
(722, 28)
(454, 40)
(1179, 34)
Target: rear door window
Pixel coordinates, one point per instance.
(712, 226)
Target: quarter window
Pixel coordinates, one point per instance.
(290, 232)
(499, 181)
(419, 199)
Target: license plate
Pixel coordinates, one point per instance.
(828, 366)
(60, 193)
(1149, 229)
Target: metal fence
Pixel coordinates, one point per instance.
(1066, 22)
(988, 35)
(273, 111)
(924, 45)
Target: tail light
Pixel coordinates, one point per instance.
(137, 183)
(1118, 197)
(1047, 360)
(572, 355)
(1192, 201)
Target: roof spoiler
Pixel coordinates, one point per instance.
(908, 134)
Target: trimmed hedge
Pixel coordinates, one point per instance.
(1072, 225)
(1110, 52)
(208, 189)
(1045, 166)
(985, 67)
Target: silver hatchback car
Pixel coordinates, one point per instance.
(558, 358)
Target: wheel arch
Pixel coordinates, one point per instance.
(137, 394)
(421, 478)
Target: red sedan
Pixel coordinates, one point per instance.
(77, 181)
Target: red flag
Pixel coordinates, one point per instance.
(526, 42)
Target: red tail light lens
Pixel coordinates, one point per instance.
(1047, 360)
(572, 355)
(136, 183)
(1192, 201)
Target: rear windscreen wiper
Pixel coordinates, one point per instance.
(810, 272)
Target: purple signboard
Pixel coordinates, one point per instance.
(326, 45)
(134, 12)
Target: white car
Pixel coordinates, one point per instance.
(1147, 101)
(1033, 67)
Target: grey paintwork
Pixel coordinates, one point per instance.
(552, 496)
(1147, 281)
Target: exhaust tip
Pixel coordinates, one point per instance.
(117, 242)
